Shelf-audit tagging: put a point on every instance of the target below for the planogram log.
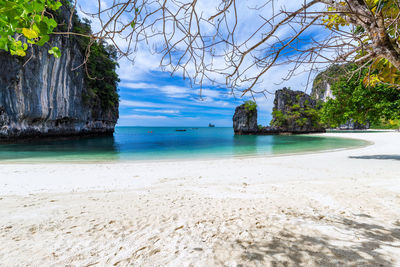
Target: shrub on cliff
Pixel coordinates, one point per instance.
(250, 105)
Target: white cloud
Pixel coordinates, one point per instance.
(175, 91)
(137, 85)
(130, 103)
(144, 104)
(164, 111)
(136, 116)
(210, 93)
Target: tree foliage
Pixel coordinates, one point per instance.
(353, 100)
(26, 22)
(296, 115)
(376, 30)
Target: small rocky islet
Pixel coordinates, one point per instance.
(294, 112)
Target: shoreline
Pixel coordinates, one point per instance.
(325, 208)
(204, 158)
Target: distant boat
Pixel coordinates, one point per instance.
(180, 130)
(211, 125)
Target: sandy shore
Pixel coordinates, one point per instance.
(333, 208)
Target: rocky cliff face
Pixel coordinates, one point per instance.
(295, 112)
(321, 89)
(245, 120)
(46, 96)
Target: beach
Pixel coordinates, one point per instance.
(327, 208)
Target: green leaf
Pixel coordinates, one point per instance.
(55, 51)
(43, 27)
(44, 39)
(52, 24)
(37, 6)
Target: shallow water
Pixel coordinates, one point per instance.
(157, 143)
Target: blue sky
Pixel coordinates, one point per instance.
(150, 97)
(157, 99)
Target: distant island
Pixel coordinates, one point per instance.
(211, 125)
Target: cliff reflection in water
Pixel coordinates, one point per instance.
(73, 149)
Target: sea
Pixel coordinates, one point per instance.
(168, 143)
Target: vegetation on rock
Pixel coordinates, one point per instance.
(297, 113)
(101, 77)
(250, 105)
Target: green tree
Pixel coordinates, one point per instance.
(353, 100)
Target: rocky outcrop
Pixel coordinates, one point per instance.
(46, 96)
(295, 112)
(245, 120)
(353, 125)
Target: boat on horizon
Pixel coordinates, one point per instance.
(211, 125)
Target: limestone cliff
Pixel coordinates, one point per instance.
(46, 96)
(295, 112)
(321, 89)
(245, 120)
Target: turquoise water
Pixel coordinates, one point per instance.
(158, 143)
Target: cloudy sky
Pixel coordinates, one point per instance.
(150, 97)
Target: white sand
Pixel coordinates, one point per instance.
(332, 208)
